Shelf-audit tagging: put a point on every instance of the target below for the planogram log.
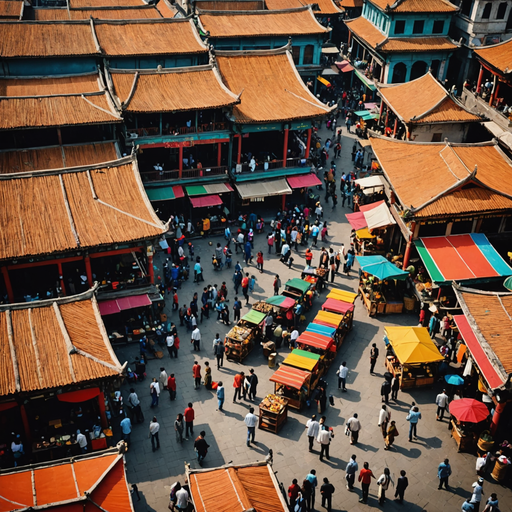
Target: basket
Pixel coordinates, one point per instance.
(409, 303)
(485, 446)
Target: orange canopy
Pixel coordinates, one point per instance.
(313, 339)
(291, 377)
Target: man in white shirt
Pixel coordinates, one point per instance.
(342, 376)
(324, 438)
(251, 420)
(293, 338)
(82, 441)
(182, 499)
(154, 389)
(384, 417)
(313, 426)
(478, 490)
(441, 402)
(354, 427)
(170, 346)
(196, 338)
(154, 428)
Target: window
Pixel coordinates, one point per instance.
(502, 9)
(438, 27)
(466, 7)
(399, 26)
(308, 54)
(487, 11)
(296, 54)
(436, 137)
(418, 27)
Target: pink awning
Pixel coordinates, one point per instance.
(204, 201)
(367, 207)
(344, 66)
(337, 306)
(356, 220)
(109, 307)
(305, 181)
(178, 191)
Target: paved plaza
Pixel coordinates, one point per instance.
(154, 473)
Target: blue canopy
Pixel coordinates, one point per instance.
(454, 380)
(380, 267)
(321, 329)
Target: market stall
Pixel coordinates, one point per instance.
(345, 309)
(412, 356)
(305, 360)
(319, 344)
(316, 277)
(381, 285)
(469, 418)
(282, 309)
(298, 289)
(293, 384)
(333, 320)
(273, 413)
(343, 295)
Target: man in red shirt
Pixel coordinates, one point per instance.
(245, 288)
(189, 416)
(171, 387)
(238, 382)
(196, 372)
(293, 492)
(365, 477)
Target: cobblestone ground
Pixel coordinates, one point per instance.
(154, 473)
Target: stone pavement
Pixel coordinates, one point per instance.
(154, 473)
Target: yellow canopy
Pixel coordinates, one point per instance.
(364, 233)
(337, 294)
(329, 318)
(301, 362)
(412, 345)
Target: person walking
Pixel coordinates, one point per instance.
(354, 426)
(293, 493)
(327, 490)
(196, 373)
(374, 354)
(218, 350)
(169, 340)
(384, 417)
(171, 387)
(342, 376)
(201, 447)
(245, 288)
(207, 376)
(134, 401)
(441, 402)
(238, 382)
(237, 306)
(492, 503)
(313, 482)
(126, 429)
(182, 499)
(478, 490)
(390, 437)
(365, 477)
(395, 387)
(383, 483)
(401, 486)
(253, 384)
(251, 420)
(196, 338)
(270, 242)
(350, 472)
(178, 428)
(413, 417)
(259, 262)
(220, 396)
(154, 428)
(313, 428)
(189, 416)
(385, 389)
(277, 284)
(154, 389)
(324, 438)
(444, 471)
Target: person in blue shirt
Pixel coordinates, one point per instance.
(220, 396)
(413, 417)
(311, 478)
(467, 506)
(444, 471)
(126, 427)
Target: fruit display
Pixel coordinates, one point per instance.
(239, 333)
(262, 307)
(273, 403)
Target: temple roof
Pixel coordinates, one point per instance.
(319, 6)
(499, 56)
(414, 6)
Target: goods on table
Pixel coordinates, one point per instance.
(238, 333)
(273, 413)
(262, 307)
(273, 403)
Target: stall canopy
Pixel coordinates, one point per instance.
(343, 295)
(370, 184)
(313, 339)
(254, 317)
(302, 360)
(461, 258)
(365, 115)
(328, 319)
(213, 188)
(381, 268)
(371, 216)
(109, 307)
(290, 376)
(469, 410)
(412, 345)
(298, 284)
(281, 301)
(165, 193)
(324, 330)
(337, 306)
(344, 66)
(264, 188)
(308, 180)
(205, 201)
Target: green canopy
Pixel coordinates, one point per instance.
(254, 317)
(196, 190)
(281, 301)
(298, 284)
(305, 353)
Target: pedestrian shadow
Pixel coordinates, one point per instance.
(140, 503)
(234, 415)
(411, 453)
(333, 462)
(259, 447)
(352, 395)
(366, 447)
(430, 443)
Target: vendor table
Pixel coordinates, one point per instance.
(466, 442)
(372, 305)
(316, 277)
(239, 343)
(410, 378)
(273, 413)
(293, 384)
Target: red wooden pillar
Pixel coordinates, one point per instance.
(396, 126)
(180, 161)
(88, 270)
(8, 285)
(151, 270)
(349, 39)
(26, 426)
(407, 254)
(239, 152)
(308, 143)
(62, 285)
(219, 153)
(285, 146)
(480, 78)
(494, 95)
(496, 417)
(103, 414)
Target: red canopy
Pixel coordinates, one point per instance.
(305, 181)
(178, 191)
(337, 306)
(367, 207)
(203, 201)
(109, 307)
(469, 410)
(291, 377)
(312, 339)
(356, 220)
(344, 66)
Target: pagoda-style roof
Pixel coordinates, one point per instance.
(37, 102)
(48, 212)
(270, 86)
(11, 9)
(105, 13)
(43, 345)
(424, 101)
(170, 90)
(78, 4)
(415, 6)
(289, 22)
(456, 179)
(350, 4)
(319, 6)
(497, 56)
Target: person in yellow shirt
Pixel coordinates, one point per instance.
(206, 226)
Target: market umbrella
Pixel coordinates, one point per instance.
(380, 267)
(412, 345)
(454, 380)
(469, 410)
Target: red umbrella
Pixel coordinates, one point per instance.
(469, 410)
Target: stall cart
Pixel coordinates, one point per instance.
(319, 344)
(328, 319)
(241, 339)
(293, 384)
(342, 295)
(273, 413)
(304, 360)
(342, 308)
(297, 289)
(281, 307)
(316, 277)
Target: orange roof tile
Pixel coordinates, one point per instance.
(290, 22)
(348, 4)
(168, 37)
(47, 349)
(222, 5)
(80, 482)
(76, 208)
(167, 10)
(499, 56)
(132, 13)
(179, 89)
(418, 44)
(77, 4)
(324, 6)
(271, 87)
(366, 31)
(424, 101)
(78, 84)
(406, 6)
(446, 170)
(56, 157)
(57, 14)
(11, 9)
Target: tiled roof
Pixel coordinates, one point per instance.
(324, 6)
(56, 157)
(366, 31)
(271, 87)
(57, 101)
(418, 44)
(164, 37)
(77, 4)
(417, 6)
(499, 56)
(446, 170)
(11, 9)
(57, 14)
(222, 5)
(43, 345)
(75, 209)
(424, 101)
(177, 90)
(221, 24)
(135, 13)
(348, 4)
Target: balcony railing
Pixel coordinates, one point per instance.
(274, 164)
(184, 130)
(149, 176)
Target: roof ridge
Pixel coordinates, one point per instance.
(430, 110)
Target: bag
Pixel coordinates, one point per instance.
(396, 432)
(347, 431)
